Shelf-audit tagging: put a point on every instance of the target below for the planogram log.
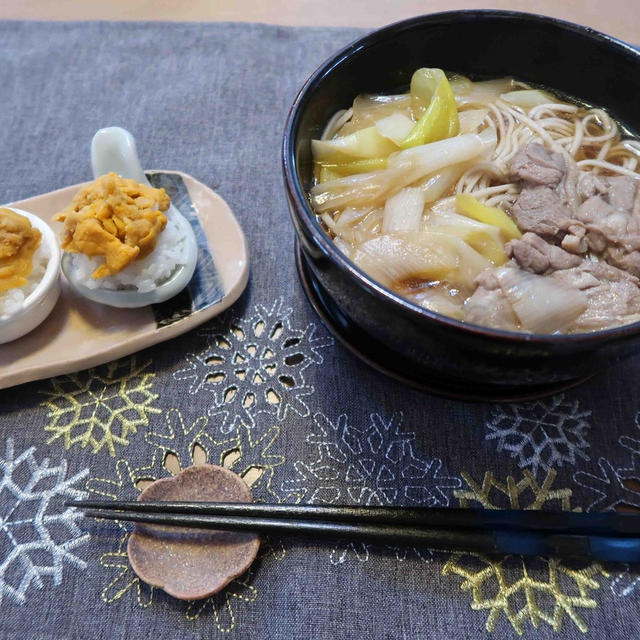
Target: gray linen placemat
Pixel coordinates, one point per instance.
(211, 100)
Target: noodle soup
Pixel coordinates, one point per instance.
(491, 202)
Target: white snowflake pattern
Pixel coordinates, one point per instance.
(37, 535)
(375, 465)
(608, 483)
(615, 488)
(625, 583)
(632, 445)
(340, 554)
(541, 435)
(256, 365)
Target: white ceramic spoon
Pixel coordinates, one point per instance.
(114, 149)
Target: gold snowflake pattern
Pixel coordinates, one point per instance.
(538, 590)
(222, 604)
(117, 561)
(178, 444)
(240, 589)
(100, 408)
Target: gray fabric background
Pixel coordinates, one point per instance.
(211, 100)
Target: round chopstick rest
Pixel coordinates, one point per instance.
(191, 563)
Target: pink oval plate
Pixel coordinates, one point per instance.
(80, 334)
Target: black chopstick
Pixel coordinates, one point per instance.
(603, 548)
(608, 523)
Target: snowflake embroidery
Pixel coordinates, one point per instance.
(543, 434)
(361, 550)
(373, 465)
(177, 444)
(255, 365)
(37, 536)
(537, 590)
(245, 452)
(632, 445)
(222, 604)
(121, 486)
(609, 486)
(100, 408)
(625, 583)
(616, 489)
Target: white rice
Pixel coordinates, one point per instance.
(141, 275)
(11, 301)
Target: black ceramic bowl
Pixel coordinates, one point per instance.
(390, 332)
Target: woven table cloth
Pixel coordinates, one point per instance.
(320, 426)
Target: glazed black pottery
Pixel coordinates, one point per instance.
(400, 336)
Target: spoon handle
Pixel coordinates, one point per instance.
(114, 149)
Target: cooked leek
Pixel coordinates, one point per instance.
(528, 98)
(404, 168)
(366, 143)
(469, 206)
(484, 238)
(482, 92)
(396, 127)
(397, 258)
(436, 185)
(392, 259)
(325, 174)
(403, 211)
(339, 169)
(440, 118)
(541, 304)
(472, 119)
(368, 109)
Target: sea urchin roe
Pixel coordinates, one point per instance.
(114, 217)
(18, 242)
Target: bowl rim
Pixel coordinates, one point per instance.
(51, 273)
(301, 209)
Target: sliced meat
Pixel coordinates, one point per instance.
(627, 260)
(536, 165)
(548, 285)
(568, 187)
(610, 216)
(623, 193)
(581, 212)
(587, 297)
(508, 297)
(604, 223)
(533, 254)
(549, 192)
(613, 295)
(620, 191)
(590, 185)
(488, 305)
(576, 239)
(541, 211)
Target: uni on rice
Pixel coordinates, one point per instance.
(122, 235)
(23, 261)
